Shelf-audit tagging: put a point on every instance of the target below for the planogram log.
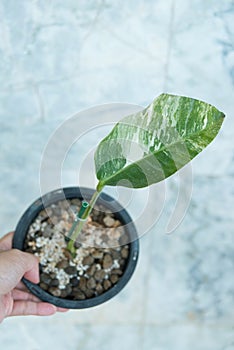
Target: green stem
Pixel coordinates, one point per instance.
(81, 220)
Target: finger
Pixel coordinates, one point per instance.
(6, 244)
(21, 295)
(6, 241)
(21, 286)
(33, 273)
(25, 308)
(27, 265)
(61, 309)
(21, 264)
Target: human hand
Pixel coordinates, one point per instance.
(15, 300)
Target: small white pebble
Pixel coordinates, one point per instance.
(98, 266)
(116, 264)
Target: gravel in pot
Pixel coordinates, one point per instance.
(105, 256)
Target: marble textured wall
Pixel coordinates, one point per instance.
(59, 57)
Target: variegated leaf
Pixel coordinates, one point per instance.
(151, 145)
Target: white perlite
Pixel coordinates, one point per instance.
(51, 250)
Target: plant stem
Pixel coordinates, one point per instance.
(81, 221)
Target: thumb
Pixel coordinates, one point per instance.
(31, 266)
(14, 265)
(6, 241)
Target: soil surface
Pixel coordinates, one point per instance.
(101, 251)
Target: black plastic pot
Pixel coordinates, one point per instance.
(104, 199)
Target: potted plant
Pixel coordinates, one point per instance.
(86, 260)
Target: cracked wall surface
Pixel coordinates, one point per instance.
(60, 57)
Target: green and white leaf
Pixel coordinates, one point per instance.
(151, 145)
